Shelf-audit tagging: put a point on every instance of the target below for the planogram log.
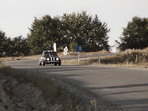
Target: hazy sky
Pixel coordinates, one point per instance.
(16, 16)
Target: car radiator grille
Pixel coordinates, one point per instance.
(52, 59)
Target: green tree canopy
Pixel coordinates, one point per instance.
(82, 29)
(68, 30)
(19, 46)
(43, 33)
(135, 35)
(13, 47)
(2, 42)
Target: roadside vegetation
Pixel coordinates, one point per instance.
(128, 57)
(134, 35)
(124, 58)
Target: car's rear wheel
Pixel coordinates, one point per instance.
(59, 63)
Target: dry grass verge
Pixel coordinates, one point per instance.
(20, 58)
(87, 53)
(128, 58)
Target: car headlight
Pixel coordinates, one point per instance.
(47, 59)
(57, 58)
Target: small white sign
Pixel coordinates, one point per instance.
(65, 52)
(55, 47)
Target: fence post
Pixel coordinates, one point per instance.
(127, 62)
(136, 59)
(99, 60)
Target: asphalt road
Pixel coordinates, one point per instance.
(126, 87)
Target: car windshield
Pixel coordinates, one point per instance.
(48, 54)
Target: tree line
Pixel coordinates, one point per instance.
(71, 30)
(13, 47)
(134, 35)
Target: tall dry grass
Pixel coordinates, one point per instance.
(128, 56)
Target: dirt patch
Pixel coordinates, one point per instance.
(18, 95)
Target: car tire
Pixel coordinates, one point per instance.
(59, 63)
(42, 63)
(39, 63)
(55, 64)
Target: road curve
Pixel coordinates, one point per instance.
(126, 87)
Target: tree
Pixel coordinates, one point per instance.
(74, 28)
(97, 36)
(3, 43)
(43, 33)
(19, 46)
(82, 29)
(68, 30)
(135, 35)
(13, 47)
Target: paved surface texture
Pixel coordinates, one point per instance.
(126, 87)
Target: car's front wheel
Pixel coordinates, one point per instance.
(55, 64)
(42, 63)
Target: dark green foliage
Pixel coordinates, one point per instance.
(135, 35)
(5, 44)
(19, 46)
(43, 33)
(69, 30)
(13, 47)
(82, 29)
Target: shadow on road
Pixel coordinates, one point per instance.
(121, 86)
